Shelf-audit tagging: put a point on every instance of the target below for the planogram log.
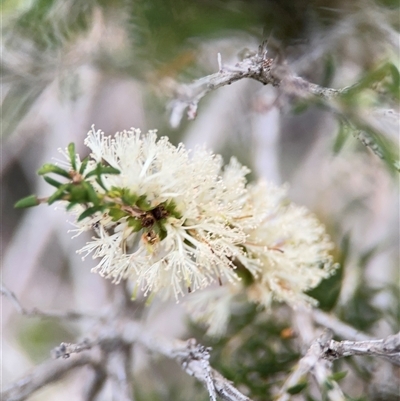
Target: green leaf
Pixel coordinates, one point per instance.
(328, 291)
(365, 82)
(135, 224)
(101, 183)
(90, 211)
(134, 293)
(72, 155)
(52, 168)
(328, 384)
(129, 198)
(83, 165)
(163, 232)
(341, 137)
(94, 172)
(52, 182)
(329, 71)
(109, 170)
(297, 388)
(160, 230)
(70, 206)
(172, 209)
(338, 375)
(78, 193)
(99, 170)
(143, 204)
(29, 201)
(58, 195)
(382, 146)
(91, 194)
(117, 214)
(395, 85)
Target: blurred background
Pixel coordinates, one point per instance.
(67, 65)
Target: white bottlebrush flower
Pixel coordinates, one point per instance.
(213, 307)
(176, 224)
(291, 245)
(287, 252)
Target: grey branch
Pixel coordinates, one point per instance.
(388, 348)
(272, 71)
(69, 315)
(337, 326)
(95, 383)
(115, 338)
(44, 374)
(191, 356)
(258, 67)
(119, 372)
(64, 350)
(315, 363)
(362, 344)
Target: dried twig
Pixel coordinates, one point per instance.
(192, 357)
(362, 344)
(272, 71)
(315, 363)
(119, 372)
(388, 348)
(337, 326)
(116, 334)
(95, 384)
(258, 67)
(67, 315)
(45, 373)
(64, 350)
(200, 353)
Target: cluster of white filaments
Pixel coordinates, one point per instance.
(201, 223)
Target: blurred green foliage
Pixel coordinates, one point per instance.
(51, 24)
(161, 28)
(255, 351)
(328, 291)
(378, 88)
(360, 311)
(38, 336)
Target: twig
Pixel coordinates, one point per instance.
(192, 357)
(48, 372)
(116, 336)
(112, 336)
(272, 71)
(388, 348)
(69, 315)
(200, 353)
(315, 363)
(95, 384)
(64, 350)
(119, 372)
(258, 67)
(340, 328)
